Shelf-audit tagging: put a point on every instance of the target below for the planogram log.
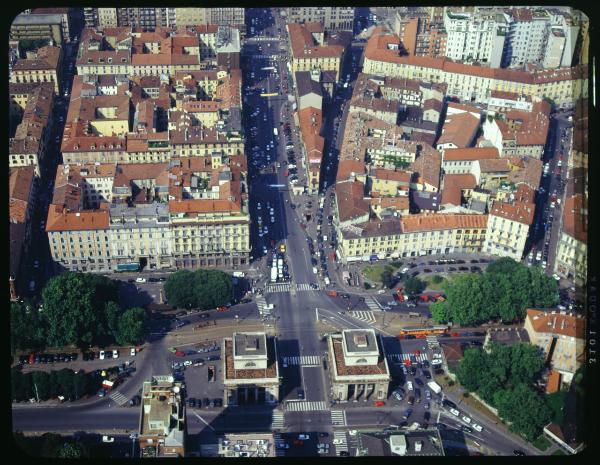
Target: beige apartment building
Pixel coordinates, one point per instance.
(43, 65)
(358, 367)
(473, 83)
(333, 18)
(571, 253)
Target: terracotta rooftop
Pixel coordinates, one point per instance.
(553, 383)
(440, 221)
(391, 175)
(459, 129)
(471, 153)
(46, 58)
(454, 184)
(192, 206)
(76, 221)
(270, 372)
(344, 370)
(350, 200)
(495, 165)
(530, 173)
(557, 323)
(521, 209)
(575, 217)
(427, 167)
(347, 167)
(303, 45)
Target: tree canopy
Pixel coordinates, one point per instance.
(201, 289)
(414, 285)
(27, 329)
(502, 378)
(504, 291)
(132, 326)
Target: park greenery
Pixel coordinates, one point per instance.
(413, 286)
(51, 445)
(43, 385)
(503, 378)
(77, 309)
(504, 292)
(202, 289)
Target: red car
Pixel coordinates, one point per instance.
(379, 403)
(455, 334)
(179, 353)
(222, 309)
(298, 442)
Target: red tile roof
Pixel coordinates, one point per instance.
(454, 184)
(471, 153)
(557, 323)
(459, 129)
(575, 217)
(350, 200)
(303, 45)
(440, 221)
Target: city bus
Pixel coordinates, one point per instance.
(421, 332)
(272, 94)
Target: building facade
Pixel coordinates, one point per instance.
(333, 18)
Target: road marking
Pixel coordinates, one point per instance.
(340, 436)
(278, 440)
(277, 419)
(304, 360)
(278, 287)
(373, 304)
(365, 316)
(203, 421)
(118, 397)
(338, 418)
(404, 357)
(305, 406)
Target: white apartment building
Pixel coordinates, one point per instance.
(478, 36)
(527, 35)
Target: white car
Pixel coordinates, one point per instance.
(187, 363)
(132, 352)
(409, 385)
(266, 230)
(102, 354)
(538, 256)
(283, 445)
(108, 439)
(115, 353)
(140, 280)
(303, 437)
(454, 412)
(544, 264)
(555, 276)
(466, 419)
(436, 361)
(476, 427)
(258, 206)
(36, 264)
(272, 219)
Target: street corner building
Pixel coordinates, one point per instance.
(250, 369)
(359, 370)
(162, 419)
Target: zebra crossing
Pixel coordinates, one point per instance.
(338, 418)
(304, 360)
(403, 357)
(261, 303)
(305, 406)
(278, 440)
(306, 287)
(432, 341)
(265, 57)
(278, 287)
(118, 397)
(372, 304)
(277, 419)
(340, 441)
(365, 316)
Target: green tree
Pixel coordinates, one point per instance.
(436, 279)
(27, 327)
(64, 383)
(556, 403)
(113, 314)
(525, 409)
(387, 278)
(71, 450)
(133, 325)
(50, 444)
(439, 312)
(472, 369)
(41, 385)
(179, 289)
(414, 285)
(81, 384)
(212, 288)
(527, 361)
(504, 265)
(74, 307)
(466, 300)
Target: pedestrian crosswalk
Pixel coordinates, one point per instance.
(306, 287)
(278, 439)
(363, 316)
(278, 287)
(340, 441)
(305, 406)
(403, 357)
(265, 57)
(277, 419)
(261, 303)
(372, 304)
(118, 397)
(304, 360)
(338, 418)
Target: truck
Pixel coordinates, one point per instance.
(315, 270)
(346, 277)
(435, 387)
(274, 274)
(327, 282)
(275, 133)
(238, 274)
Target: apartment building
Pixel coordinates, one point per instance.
(462, 160)
(49, 26)
(146, 18)
(571, 253)
(163, 426)
(191, 16)
(333, 18)
(246, 445)
(509, 222)
(459, 129)
(358, 367)
(250, 369)
(473, 83)
(231, 17)
(311, 50)
(228, 48)
(21, 203)
(32, 136)
(476, 37)
(561, 336)
(310, 123)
